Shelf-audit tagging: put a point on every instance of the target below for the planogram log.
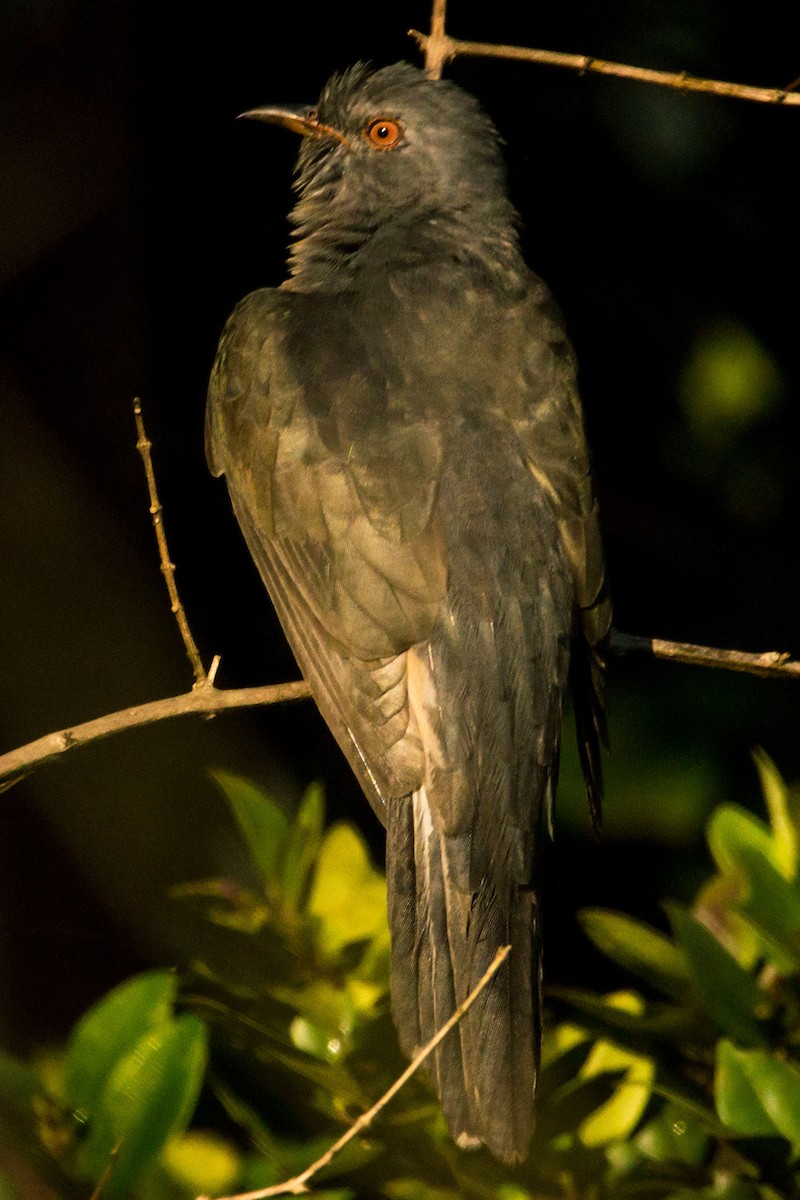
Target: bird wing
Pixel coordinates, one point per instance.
(344, 536)
(550, 428)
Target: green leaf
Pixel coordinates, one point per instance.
(744, 847)
(725, 990)
(662, 1022)
(618, 1116)
(262, 822)
(637, 947)
(673, 1136)
(202, 1162)
(305, 836)
(782, 807)
(348, 895)
(149, 1096)
(110, 1030)
(757, 1095)
(777, 1085)
(733, 833)
(717, 906)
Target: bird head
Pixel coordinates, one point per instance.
(394, 168)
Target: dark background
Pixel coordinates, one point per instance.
(135, 211)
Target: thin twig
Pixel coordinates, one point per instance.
(297, 1185)
(102, 1182)
(769, 664)
(439, 48)
(203, 700)
(143, 445)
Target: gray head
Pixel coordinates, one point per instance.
(395, 169)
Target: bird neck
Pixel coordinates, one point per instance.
(334, 255)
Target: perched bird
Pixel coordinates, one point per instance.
(402, 439)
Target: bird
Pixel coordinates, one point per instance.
(403, 442)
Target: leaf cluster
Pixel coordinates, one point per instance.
(685, 1084)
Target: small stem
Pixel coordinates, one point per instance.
(439, 48)
(143, 445)
(769, 664)
(297, 1185)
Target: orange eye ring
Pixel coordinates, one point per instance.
(384, 134)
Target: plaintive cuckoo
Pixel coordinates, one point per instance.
(402, 439)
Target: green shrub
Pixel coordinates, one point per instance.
(685, 1084)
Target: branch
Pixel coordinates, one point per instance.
(769, 664)
(204, 700)
(143, 445)
(208, 699)
(297, 1185)
(439, 48)
(436, 46)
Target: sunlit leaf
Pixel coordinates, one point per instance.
(226, 903)
(744, 847)
(415, 1189)
(305, 837)
(201, 1162)
(348, 895)
(748, 942)
(326, 1019)
(726, 991)
(733, 832)
(782, 807)
(618, 1116)
(110, 1030)
(639, 948)
(149, 1096)
(262, 822)
(664, 1022)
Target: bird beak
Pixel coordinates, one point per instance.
(300, 120)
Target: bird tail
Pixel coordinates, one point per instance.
(444, 937)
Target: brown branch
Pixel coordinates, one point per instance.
(203, 700)
(209, 699)
(439, 48)
(297, 1185)
(769, 664)
(143, 445)
(436, 45)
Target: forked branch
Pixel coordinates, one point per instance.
(439, 48)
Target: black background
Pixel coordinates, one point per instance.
(135, 211)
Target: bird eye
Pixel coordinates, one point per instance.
(384, 134)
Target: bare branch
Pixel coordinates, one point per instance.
(143, 445)
(208, 699)
(769, 664)
(297, 1185)
(203, 700)
(439, 48)
(435, 47)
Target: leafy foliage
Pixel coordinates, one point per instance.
(685, 1086)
